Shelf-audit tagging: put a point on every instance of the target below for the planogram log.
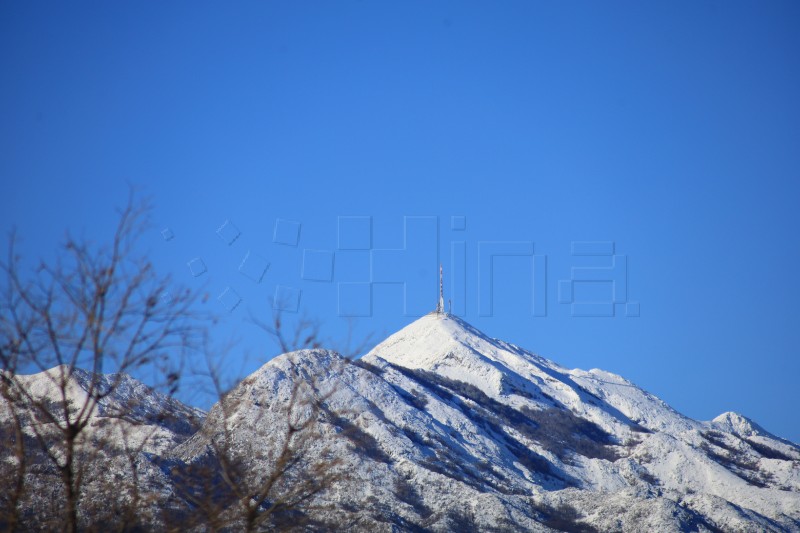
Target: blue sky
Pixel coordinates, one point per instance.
(668, 129)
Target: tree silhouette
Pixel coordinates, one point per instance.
(83, 322)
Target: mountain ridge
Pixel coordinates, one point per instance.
(453, 405)
(442, 428)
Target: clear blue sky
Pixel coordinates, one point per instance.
(671, 129)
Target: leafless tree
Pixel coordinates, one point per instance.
(13, 461)
(267, 473)
(95, 309)
(250, 478)
(73, 437)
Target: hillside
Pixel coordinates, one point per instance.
(441, 428)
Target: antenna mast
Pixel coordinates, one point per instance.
(440, 305)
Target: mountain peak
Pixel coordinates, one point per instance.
(438, 323)
(453, 348)
(743, 427)
(736, 424)
(428, 341)
(425, 340)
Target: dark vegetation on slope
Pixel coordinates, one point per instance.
(465, 519)
(556, 429)
(563, 517)
(734, 459)
(375, 369)
(406, 492)
(363, 443)
(491, 423)
(769, 453)
(440, 456)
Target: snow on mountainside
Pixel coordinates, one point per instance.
(441, 428)
(136, 412)
(677, 457)
(458, 431)
(122, 425)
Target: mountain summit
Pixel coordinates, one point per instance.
(454, 349)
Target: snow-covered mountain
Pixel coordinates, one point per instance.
(441, 428)
(116, 424)
(134, 412)
(451, 430)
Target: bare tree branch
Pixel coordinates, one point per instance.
(94, 308)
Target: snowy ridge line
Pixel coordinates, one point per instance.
(442, 428)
